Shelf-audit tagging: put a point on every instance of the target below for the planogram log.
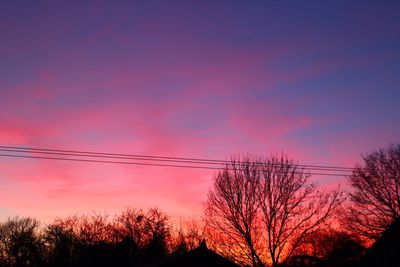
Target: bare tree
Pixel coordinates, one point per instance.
(79, 240)
(232, 210)
(187, 236)
(20, 243)
(291, 206)
(61, 244)
(147, 232)
(375, 199)
(267, 206)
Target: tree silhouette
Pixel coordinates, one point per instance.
(188, 236)
(131, 237)
(332, 248)
(62, 244)
(146, 233)
(375, 199)
(232, 211)
(80, 241)
(266, 207)
(20, 243)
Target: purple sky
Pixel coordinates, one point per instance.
(318, 80)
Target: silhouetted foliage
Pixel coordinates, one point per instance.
(331, 248)
(62, 245)
(188, 236)
(375, 199)
(131, 238)
(20, 243)
(81, 241)
(144, 232)
(262, 208)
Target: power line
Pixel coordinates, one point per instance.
(135, 163)
(178, 162)
(147, 158)
(109, 161)
(153, 158)
(104, 156)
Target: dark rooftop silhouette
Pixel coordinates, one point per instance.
(200, 256)
(385, 251)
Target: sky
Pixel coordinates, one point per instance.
(317, 80)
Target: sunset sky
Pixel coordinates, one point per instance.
(318, 80)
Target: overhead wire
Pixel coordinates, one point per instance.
(147, 160)
(140, 157)
(182, 159)
(139, 163)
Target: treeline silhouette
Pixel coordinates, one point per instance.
(133, 237)
(138, 238)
